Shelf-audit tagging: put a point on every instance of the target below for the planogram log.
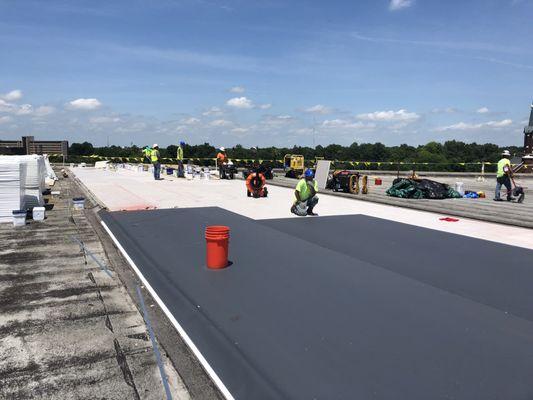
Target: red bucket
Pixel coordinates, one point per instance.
(217, 241)
(378, 181)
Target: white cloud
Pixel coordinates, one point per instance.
(12, 96)
(319, 109)
(464, 126)
(213, 111)
(395, 5)
(103, 120)
(23, 109)
(237, 89)
(482, 110)
(84, 104)
(240, 131)
(400, 115)
(5, 119)
(240, 102)
(346, 124)
(221, 122)
(44, 110)
(190, 121)
(265, 106)
(447, 110)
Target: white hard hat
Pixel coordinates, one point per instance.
(155, 145)
(506, 153)
(222, 149)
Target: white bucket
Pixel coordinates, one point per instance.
(19, 218)
(79, 203)
(38, 213)
(459, 187)
(207, 174)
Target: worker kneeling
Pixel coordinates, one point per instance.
(305, 193)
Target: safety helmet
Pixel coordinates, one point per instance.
(182, 143)
(506, 153)
(309, 173)
(155, 145)
(222, 149)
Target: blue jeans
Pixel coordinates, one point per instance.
(503, 181)
(157, 171)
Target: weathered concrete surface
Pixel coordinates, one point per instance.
(68, 330)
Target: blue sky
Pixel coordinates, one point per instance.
(268, 72)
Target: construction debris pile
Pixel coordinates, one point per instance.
(421, 189)
(22, 182)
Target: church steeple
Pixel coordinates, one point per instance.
(528, 135)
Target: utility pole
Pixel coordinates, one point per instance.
(314, 131)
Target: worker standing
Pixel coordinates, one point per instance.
(305, 195)
(146, 155)
(179, 156)
(222, 160)
(503, 176)
(156, 161)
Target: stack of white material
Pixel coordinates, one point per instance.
(10, 190)
(32, 178)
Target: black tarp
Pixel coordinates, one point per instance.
(299, 316)
(421, 189)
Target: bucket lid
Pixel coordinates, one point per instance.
(19, 212)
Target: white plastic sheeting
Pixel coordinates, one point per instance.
(50, 174)
(10, 190)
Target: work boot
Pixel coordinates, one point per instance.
(510, 198)
(497, 199)
(310, 212)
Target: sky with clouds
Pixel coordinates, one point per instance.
(269, 72)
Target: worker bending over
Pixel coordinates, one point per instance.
(503, 176)
(305, 194)
(222, 160)
(179, 156)
(155, 156)
(146, 155)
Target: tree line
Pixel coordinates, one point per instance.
(447, 156)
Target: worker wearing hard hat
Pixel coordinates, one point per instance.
(155, 157)
(179, 156)
(146, 155)
(305, 195)
(222, 160)
(503, 176)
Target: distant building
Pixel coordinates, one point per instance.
(28, 145)
(527, 160)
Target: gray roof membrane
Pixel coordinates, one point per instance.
(319, 308)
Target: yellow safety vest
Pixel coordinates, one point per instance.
(180, 153)
(154, 155)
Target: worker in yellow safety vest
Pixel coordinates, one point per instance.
(156, 161)
(305, 198)
(146, 155)
(179, 156)
(503, 176)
